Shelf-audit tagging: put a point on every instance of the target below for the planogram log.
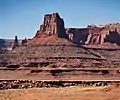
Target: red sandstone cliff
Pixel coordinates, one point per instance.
(103, 34)
(52, 25)
(95, 35)
(51, 32)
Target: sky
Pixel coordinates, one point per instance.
(23, 18)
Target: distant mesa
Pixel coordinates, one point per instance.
(6, 44)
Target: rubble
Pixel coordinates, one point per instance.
(24, 84)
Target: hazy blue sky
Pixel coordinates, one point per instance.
(23, 17)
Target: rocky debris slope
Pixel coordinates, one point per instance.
(57, 54)
(50, 40)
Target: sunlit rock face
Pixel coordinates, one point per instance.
(53, 24)
(107, 33)
(95, 35)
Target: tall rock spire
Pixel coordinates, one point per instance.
(15, 42)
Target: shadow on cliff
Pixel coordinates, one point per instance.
(113, 37)
(78, 36)
(81, 39)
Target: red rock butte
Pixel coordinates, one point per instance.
(53, 28)
(52, 31)
(52, 25)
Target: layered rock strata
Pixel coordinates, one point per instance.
(53, 25)
(95, 35)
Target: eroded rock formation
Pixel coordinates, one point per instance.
(24, 41)
(15, 42)
(102, 34)
(51, 32)
(95, 35)
(52, 25)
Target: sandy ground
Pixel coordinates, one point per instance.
(25, 74)
(67, 93)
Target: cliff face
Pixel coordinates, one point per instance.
(52, 25)
(51, 32)
(100, 35)
(114, 33)
(77, 35)
(95, 35)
